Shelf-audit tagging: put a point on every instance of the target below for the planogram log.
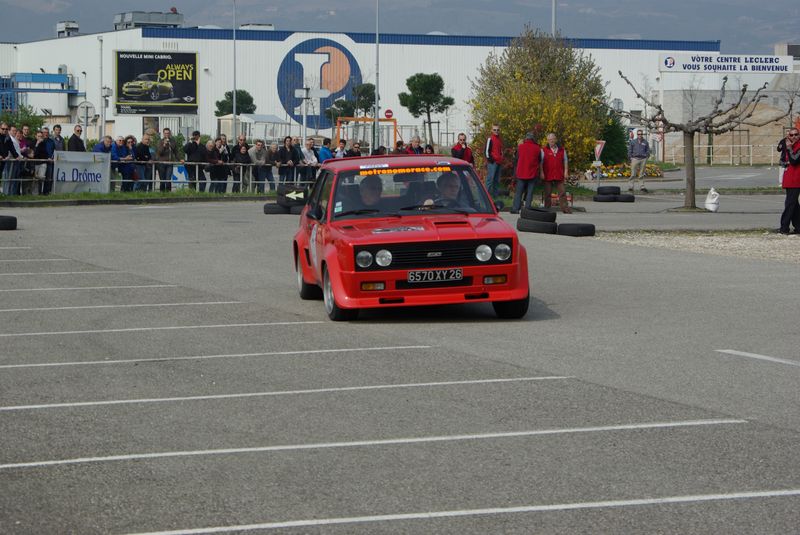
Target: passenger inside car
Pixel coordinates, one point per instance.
(449, 187)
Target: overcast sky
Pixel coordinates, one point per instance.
(743, 26)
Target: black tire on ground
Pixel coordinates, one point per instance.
(576, 229)
(511, 310)
(604, 198)
(307, 291)
(538, 214)
(334, 312)
(626, 197)
(542, 227)
(296, 210)
(8, 222)
(270, 208)
(608, 190)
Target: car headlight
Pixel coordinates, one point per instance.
(383, 258)
(502, 252)
(364, 259)
(483, 253)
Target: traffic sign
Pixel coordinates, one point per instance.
(388, 113)
(598, 148)
(295, 195)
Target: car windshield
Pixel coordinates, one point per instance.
(402, 191)
(147, 77)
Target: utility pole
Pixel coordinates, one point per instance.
(102, 96)
(553, 19)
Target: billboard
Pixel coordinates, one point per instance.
(705, 63)
(155, 83)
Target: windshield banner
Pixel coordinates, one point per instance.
(155, 83)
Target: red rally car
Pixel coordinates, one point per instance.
(406, 231)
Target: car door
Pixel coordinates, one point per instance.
(315, 221)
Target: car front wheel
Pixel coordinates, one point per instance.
(154, 94)
(334, 312)
(511, 310)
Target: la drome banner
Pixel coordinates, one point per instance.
(77, 172)
(726, 64)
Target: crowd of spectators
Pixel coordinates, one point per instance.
(26, 160)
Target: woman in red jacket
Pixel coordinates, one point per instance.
(556, 170)
(791, 184)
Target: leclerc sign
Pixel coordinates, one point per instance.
(725, 64)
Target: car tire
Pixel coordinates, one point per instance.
(605, 198)
(171, 92)
(576, 229)
(512, 310)
(334, 312)
(8, 222)
(270, 209)
(542, 227)
(296, 210)
(538, 214)
(626, 197)
(608, 190)
(307, 291)
(154, 95)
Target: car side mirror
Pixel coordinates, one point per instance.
(315, 212)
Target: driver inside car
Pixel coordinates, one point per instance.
(449, 187)
(370, 190)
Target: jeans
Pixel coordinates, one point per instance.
(164, 177)
(791, 210)
(145, 182)
(286, 174)
(524, 189)
(492, 179)
(10, 175)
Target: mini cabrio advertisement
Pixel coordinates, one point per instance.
(156, 83)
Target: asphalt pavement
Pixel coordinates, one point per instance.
(158, 373)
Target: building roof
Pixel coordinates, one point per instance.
(419, 39)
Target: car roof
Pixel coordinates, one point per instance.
(393, 160)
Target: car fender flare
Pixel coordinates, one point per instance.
(330, 262)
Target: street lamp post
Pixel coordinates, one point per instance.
(553, 19)
(85, 108)
(375, 128)
(102, 96)
(234, 69)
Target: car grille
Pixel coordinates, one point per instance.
(432, 254)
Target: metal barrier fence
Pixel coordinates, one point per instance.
(31, 176)
(729, 154)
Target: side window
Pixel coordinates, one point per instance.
(321, 193)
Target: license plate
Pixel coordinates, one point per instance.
(436, 275)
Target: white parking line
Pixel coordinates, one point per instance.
(758, 357)
(366, 443)
(331, 390)
(59, 273)
(91, 288)
(171, 328)
(86, 307)
(428, 515)
(203, 357)
(40, 260)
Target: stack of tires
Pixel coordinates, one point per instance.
(612, 194)
(8, 222)
(291, 200)
(543, 221)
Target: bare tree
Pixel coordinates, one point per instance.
(721, 119)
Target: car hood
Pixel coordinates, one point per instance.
(139, 82)
(423, 228)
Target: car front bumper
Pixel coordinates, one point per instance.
(398, 292)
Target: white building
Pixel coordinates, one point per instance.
(272, 65)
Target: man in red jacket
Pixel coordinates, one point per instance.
(529, 168)
(791, 184)
(461, 150)
(494, 161)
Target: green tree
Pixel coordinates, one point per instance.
(364, 96)
(425, 96)
(539, 80)
(23, 115)
(341, 108)
(244, 103)
(616, 137)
